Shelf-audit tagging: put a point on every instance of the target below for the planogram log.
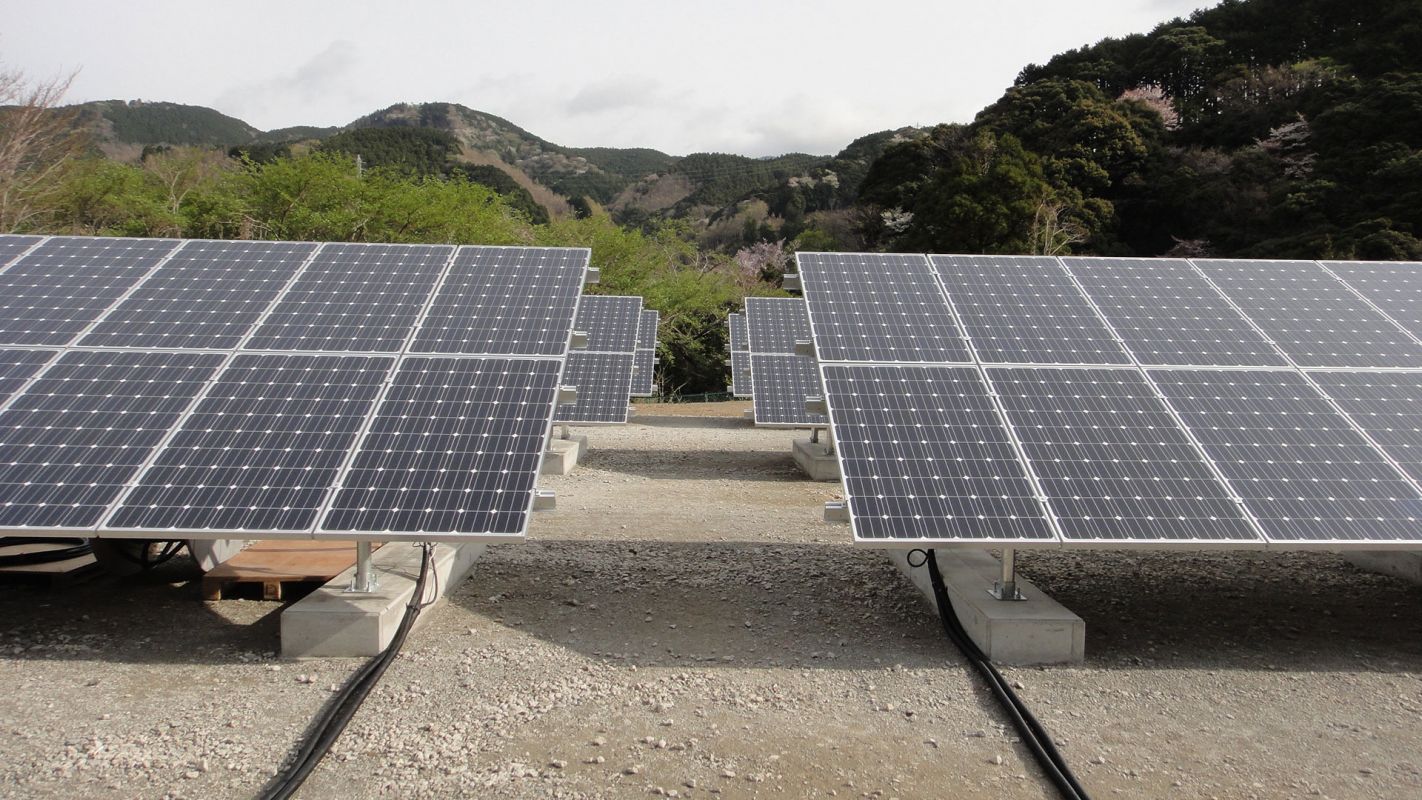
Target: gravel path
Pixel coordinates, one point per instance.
(685, 626)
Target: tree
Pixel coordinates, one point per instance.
(35, 142)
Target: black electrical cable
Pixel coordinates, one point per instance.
(1036, 737)
(332, 720)
(74, 549)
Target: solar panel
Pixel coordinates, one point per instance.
(354, 298)
(604, 382)
(13, 246)
(925, 458)
(71, 441)
(740, 333)
(1025, 310)
(782, 383)
(610, 322)
(207, 295)
(878, 307)
(1394, 287)
(1302, 470)
(18, 366)
(262, 448)
(61, 287)
(775, 324)
(740, 356)
(453, 451)
(1386, 405)
(1112, 461)
(1311, 315)
(1169, 315)
(644, 365)
(505, 301)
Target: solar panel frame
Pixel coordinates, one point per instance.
(1142, 300)
(604, 384)
(927, 333)
(611, 322)
(775, 324)
(644, 365)
(784, 380)
(998, 301)
(738, 342)
(1293, 303)
(981, 407)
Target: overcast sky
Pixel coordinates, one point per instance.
(758, 78)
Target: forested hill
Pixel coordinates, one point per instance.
(1255, 128)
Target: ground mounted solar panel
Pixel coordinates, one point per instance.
(1113, 462)
(878, 307)
(1025, 310)
(610, 321)
(1393, 287)
(1304, 472)
(644, 366)
(775, 324)
(740, 356)
(1168, 314)
(119, 434)
(783, 382)
(604, 383)
(926, 459)
(1311, 315)
(358, 298)
(60, 288)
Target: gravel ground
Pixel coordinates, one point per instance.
(685, 626)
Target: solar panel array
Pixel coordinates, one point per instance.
(1122, 402)
(739, 343)
(602, 372)
(780, 380)
(160, 388)
(644, 364)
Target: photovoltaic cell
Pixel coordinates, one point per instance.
(1303, 471)
(69, 444)
(925, 457)
(1387, 405)
(354, 298)
(774, 324)
(505, 301)
(1393, 286)
(18, 366)
(262, 448)
(65, 284)
(610, 322)
(878, 307)
(1026, 310)
(207, 295)
(1311, 315)
(604, 382)
(1168, 315)
(454, 449)
(13, 246)
(644, 365)
(1112, 461)
(782, 384)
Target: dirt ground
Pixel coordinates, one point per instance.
(685, 625)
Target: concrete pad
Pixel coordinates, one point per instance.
(1403, 564)
(816, 460)
(1038, 630)
(332, 622)
(563, 455)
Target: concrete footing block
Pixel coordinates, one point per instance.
(1037, 630)
(1404, 564)
(563, 455)
(332, 622)
(749, 414)
(816, 460)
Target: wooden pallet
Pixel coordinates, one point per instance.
(275, 564)
(57, 574)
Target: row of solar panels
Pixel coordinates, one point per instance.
(764, 362)
(1107, 402)
(205, 389)
(617, 364)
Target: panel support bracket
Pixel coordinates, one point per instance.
(364, 581)
(1006, 587)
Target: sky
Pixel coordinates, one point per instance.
(754, 78)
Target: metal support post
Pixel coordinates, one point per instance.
(364, 580)
(1006, 588)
